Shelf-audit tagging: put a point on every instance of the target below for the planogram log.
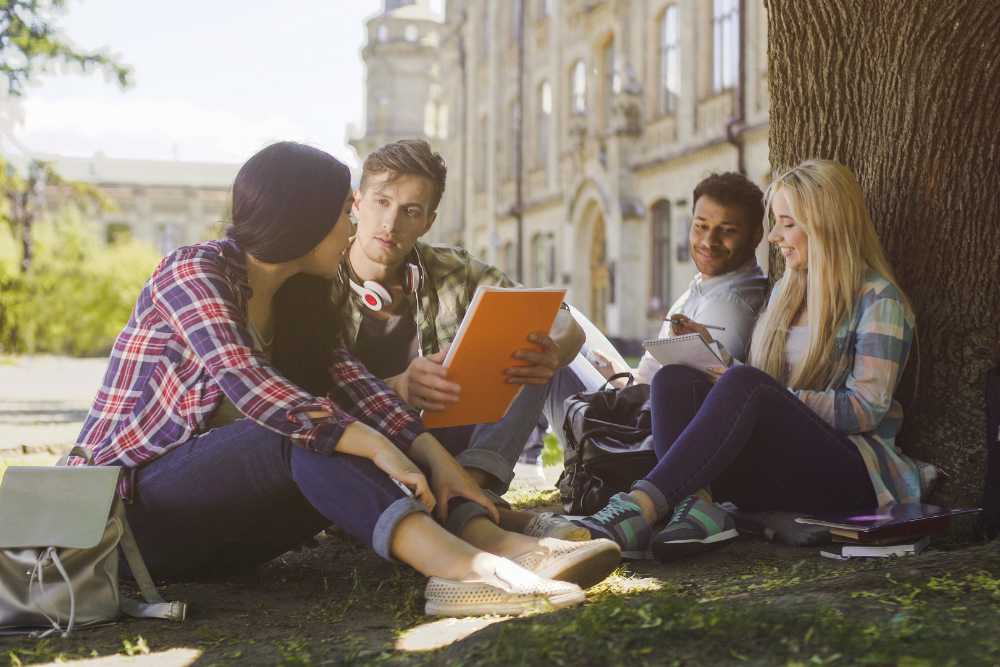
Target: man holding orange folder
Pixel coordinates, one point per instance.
(402, 301)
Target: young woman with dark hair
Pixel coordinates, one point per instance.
(230, 463)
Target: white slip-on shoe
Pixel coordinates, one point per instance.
(548, 524)
(582, 563)
(509, 592)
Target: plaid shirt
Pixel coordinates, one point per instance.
(187, 344)
(874, 347)
(450, 278)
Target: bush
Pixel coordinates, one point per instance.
(78, 294)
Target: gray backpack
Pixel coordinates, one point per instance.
(60, 532)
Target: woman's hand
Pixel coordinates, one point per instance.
(448, 478)
(715, 372)
(395, 464)
(362, 440)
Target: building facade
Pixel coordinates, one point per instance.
(163, 203)
(577, 131)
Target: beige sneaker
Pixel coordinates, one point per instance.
(510, 592)
(582, 563)
(547, 524)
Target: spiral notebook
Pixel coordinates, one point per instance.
(688, 350)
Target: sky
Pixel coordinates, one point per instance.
(215, 80)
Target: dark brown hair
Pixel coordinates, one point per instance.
(733, 190)
(408, 157)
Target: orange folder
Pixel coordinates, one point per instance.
(496, 325)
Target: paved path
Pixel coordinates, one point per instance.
(44, 400)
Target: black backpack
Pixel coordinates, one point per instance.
(990, 517)
(608, 445)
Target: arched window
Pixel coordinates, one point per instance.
(543, 125)
(659, 291)
(578, 88)
(669, 62)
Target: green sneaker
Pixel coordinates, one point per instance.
(620, 521)
(696, 526)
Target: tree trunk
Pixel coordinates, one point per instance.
(907, 95)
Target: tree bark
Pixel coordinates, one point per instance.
(907, 94)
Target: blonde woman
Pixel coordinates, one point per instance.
(809, 425)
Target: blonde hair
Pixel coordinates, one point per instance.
(826, 202)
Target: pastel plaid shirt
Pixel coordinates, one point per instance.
(450, 278)
(187, 344)
(873, 348)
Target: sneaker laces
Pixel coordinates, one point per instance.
(684, 507)
(611, 511)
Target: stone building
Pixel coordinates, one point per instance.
(624, 105)
(164, 203)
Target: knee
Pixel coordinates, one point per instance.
(745, 375)
(670, 378)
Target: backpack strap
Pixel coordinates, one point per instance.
(154, 606)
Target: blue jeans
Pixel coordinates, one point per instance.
(753, 442)
(240, 495)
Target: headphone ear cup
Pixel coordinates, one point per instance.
(414, 278)
(382, 294)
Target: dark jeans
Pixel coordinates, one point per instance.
(240, 495)
(753, 442)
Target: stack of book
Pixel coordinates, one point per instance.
(898, 530)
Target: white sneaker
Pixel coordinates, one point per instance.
(547, 524)
(511, 591)
(582, 563)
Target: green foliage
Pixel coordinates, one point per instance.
(30, 42)
(77, 295)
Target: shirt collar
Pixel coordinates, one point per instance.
(704, 284)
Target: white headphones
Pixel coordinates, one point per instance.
(376, 297)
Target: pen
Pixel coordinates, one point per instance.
(680, 319)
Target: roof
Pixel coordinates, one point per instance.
(102, 170)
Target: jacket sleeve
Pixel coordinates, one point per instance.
(371, 401)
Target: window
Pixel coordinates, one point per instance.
(118, 232)
(512, 153)
(167, 237)
(485, 36)
(660, 237)
(543, 259)
(544, 10)
(543, 125)
(725, 44)
(411, 33)
(516, 7)
(670, 70)
(508, 258)
(484, 153)
(383, 33)
(609, 78)
(578, 101)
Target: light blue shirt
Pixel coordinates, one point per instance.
(732, 300)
